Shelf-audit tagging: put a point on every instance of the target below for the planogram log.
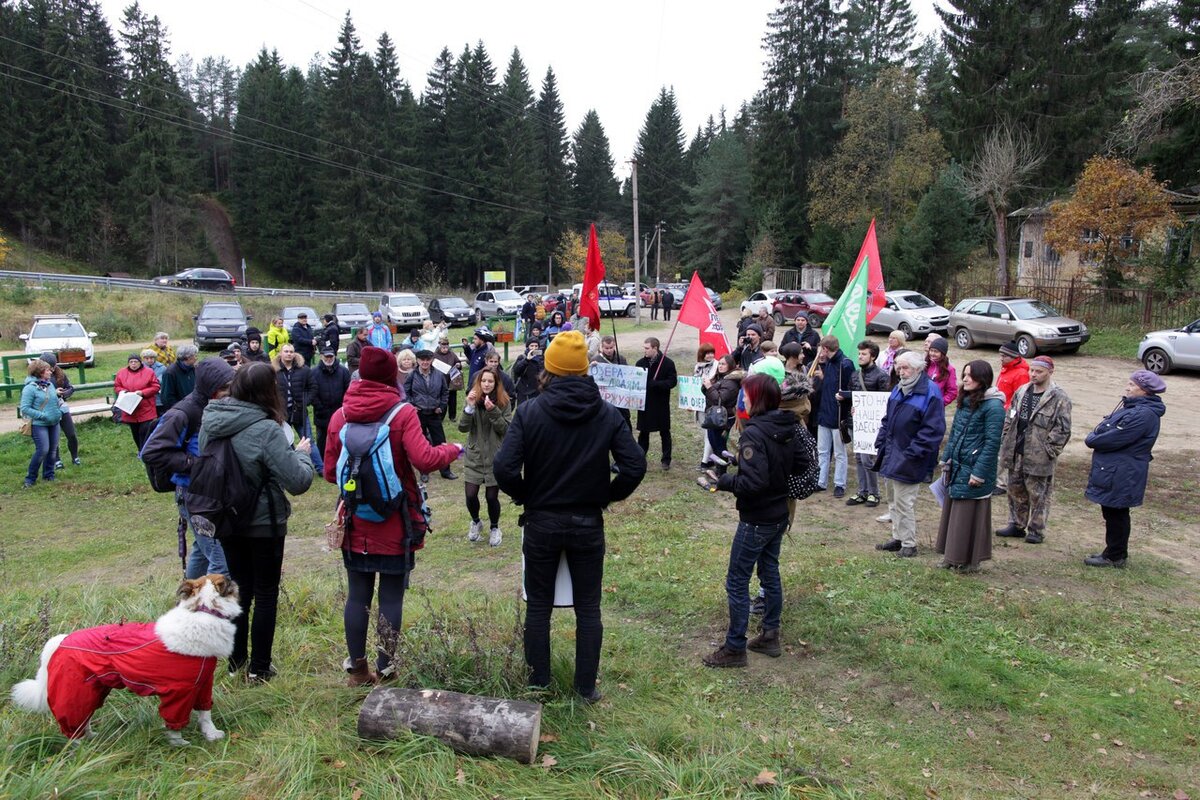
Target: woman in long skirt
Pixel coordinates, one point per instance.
(969, 471)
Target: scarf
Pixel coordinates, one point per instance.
(906, 384)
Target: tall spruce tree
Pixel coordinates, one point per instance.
(662, 171)
(717, 231)
(555, 171)
(433, 144)
(879, 34)
(595, 193)
(519, 179)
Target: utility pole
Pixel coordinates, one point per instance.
(658, 229)
(637, 272)
(549, 272)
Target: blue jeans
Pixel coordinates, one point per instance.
(718, 438)
(207, 556)
(45, 442)
(318, 458)
(753, 545)
(829, 439)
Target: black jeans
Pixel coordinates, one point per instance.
(356, 615)
(548, 536)
(431, 426)
(67, 426)
(1116, 532)
(141, 432)
(644, 443)
(255, 566)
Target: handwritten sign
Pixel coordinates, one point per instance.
(869, 410)
(624, 387)
(691, 394)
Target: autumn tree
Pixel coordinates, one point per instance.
(571, 255)
(1113, 208)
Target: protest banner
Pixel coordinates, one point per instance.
(869, 410)
(624, 387)
(691, 394)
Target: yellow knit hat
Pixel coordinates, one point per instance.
(567, 354)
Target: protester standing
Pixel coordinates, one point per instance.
(378, 334)
(63, 388)
(655, 303)
(555, 462)
(1121, 454)
(486, 415)
(135, 378)
(39, 404)
(297, 388)
(475, 351)
(429, 391)
(165, 354)
(303, 338)
(1014, 372)
(454, 376)
(767, 323)
(491, 358)
(610, 355)
(721, 389)
(660, 380)
(277, 337)
(869, 378)
(527, 371)
(668, 303)
(833, 408)
(896, 343)
(331, 335)
(253, 352)
(969, 470)
(354, 349)
(330, 380)
(150, 361)
(179, 380)
(803, 335)
(940, 369)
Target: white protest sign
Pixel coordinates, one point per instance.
(691, 394)
(869, 410)
(624, 387)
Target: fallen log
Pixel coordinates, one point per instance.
(470, 724)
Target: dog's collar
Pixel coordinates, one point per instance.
(212, 611)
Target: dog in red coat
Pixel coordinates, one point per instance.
(173, 659)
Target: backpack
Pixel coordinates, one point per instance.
(159, 475)
(369, 485)
(219, 499)
(802, 480)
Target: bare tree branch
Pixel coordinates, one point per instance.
(1157, 94)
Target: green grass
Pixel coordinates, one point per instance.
(899, 680)
(1118, 342)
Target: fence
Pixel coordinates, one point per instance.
(43, 278)
(1097, 306)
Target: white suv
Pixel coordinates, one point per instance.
(403, 309)
(57, 333)
(497, 303)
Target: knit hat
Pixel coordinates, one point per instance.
(771, 366)
(377, 364)
(1010, 349)
(254, 337)
(801, 315)
(567, 354)
(941, 345)
(49, 358)
(1149, 381)
(134, 357)
(147, 353)
(754, 326)
(1045, 362)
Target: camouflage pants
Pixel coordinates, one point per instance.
(1028, 498)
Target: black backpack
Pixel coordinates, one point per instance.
(802, 480)
(159, 475)
(219, 499)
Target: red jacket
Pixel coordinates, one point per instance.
(1013, 376)
(144, 381)
(92, 662)
(368, 401)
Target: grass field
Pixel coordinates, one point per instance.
(1032, 680)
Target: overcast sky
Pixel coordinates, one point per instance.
(613, 57)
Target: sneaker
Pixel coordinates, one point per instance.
(495, 537)
(872, 500)
(1099, 560)
(885, 517)
(1034, 537)
(235, 666)
(758, 606)
(58, 464)
(76, 461)
(857, 500)
(820, 488)
(766, 643)
(27, 485)
(907, 552)
(723, 657)
(476, 532)
(263, 676)
(1011, 531)
(891, 545)
(839, 491)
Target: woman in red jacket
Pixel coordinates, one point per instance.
(142, 381)
(382, 548)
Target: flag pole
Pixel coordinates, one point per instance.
(667, 346)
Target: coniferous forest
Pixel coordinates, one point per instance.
(347, 173)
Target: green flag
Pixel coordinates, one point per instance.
(848, 320)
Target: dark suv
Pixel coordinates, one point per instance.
(200, 278)
(219, 324)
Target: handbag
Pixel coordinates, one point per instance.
(27, 427)
(715, 418)
(846, 429)
(456, 379)
(335, 532)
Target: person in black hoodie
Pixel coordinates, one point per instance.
(554, 462)
(175, 444)
(330, 335)
(804, 335)
(253, 351)
(764, 461)
(330, 382)
(527, 371)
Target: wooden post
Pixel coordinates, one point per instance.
(470, 724)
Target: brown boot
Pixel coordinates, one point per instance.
(766, 643)
(360, 673)
(724, 657)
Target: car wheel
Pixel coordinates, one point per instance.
(1026, 346)
(815, 320)
(906, 329)
(1157, 361)
(478, 316)
(964, 339)
(632, 310)
(778, 318)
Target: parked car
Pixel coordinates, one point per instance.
(760, 300)
(403, 309)
(292, 313)
(497, 303)
(1163, 351)
(910, 312)
(220, 324)
(1035, 326)
(199, 278)
(59, 334)
(678, 291)
(454, 310)
(613, 300)
(816, 305)
(531, 288)
(350, 316)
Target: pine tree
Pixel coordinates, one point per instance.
(879, 34)
(213, 88)
(716, 233)
(555, 172)
(662, 172)
(935, 244)
(433, 143)
(594, 190)
(520, 172)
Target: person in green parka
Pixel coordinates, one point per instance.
(485, 418)
(969, 470)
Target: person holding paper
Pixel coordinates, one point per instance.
(969, 470)
(136, 381)
(869, 378)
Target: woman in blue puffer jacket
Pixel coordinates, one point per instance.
(1121, 446)
(39, 405)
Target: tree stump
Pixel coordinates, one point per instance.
(470, 724)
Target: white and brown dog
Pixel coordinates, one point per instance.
(173, 659)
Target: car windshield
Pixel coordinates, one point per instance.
(353, 308)
(817, 297)
(1033, 309)
(222, 312)
(405, 300)
(452, 302)
(54, 330)
(506, 294)
(913, 301)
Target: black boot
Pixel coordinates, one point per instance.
(724, 657)
(1011, 531)
(766, 643)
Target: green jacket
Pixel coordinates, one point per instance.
(485, 431)
(264, 453)
(973, 447)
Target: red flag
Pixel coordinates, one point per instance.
(593, 275)
(699, 312)
(870, 250)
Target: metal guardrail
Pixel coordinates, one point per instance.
(43, 278)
